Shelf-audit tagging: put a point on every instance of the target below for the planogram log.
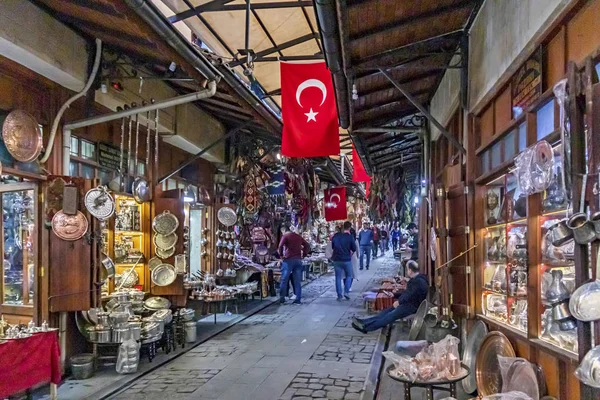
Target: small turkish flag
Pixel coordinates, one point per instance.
(308, 109)
(335, 204)
(359, 174)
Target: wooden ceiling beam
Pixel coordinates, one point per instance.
(378, 112)
(395, 99)
(413, 19)
(388, 86)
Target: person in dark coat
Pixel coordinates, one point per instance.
(407, 304)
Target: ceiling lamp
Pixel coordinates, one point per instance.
(189, 194)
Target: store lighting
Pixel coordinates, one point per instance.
(279, 156)
(416, 201)
(189, 194)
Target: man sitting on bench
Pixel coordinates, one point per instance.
(407, 304)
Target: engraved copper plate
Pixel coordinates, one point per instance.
(22, 136)
(69, 227)
(489, 378)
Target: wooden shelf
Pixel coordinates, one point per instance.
(503, 325)
(129, 233)
(496, 226)
(558, 351)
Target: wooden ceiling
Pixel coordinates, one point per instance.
(415, 41)
(124, 32)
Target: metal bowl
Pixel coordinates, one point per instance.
(150, 329)
(157, 303)
(164, 275)
(417, 322)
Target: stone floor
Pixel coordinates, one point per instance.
(285, 352)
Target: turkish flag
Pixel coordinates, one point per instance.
(335, 204)
(359, 174)
(308, 109)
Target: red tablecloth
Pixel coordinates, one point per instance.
(27, 362)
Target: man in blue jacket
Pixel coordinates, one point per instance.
(343, 245)
(365, 241)
(407, 304)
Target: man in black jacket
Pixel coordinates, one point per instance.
(407, 303)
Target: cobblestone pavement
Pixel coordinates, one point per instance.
(285, 352)
(346, 348)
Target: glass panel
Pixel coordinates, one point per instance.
(496, 155)
(104, 176)
(74, 146)
(88, 150)
(557, 283)
(87, 171)
(485, 161)
(171, 184)
(196, 240)
(545, 120)
(516, 201)
(509, 145)
(73, 168)
(19, 255)
(522, 137)
(494, 202)
(554, 196)
(141, 169)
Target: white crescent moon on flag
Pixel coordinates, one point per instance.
(311, 83)
(335, 195)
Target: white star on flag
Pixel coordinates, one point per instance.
(311, 115)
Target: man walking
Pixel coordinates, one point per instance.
(414, 244)
(365, 241)
(395, 233)
(292, 249)
(343, 246)
(376, 238)
(407, 304)
(384, 239)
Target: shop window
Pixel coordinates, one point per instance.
(73, 168)
(87, 171)
(522, 137)
(485, 162)
(509, 145)
(496, 155)
(74, 146)
(19, 234)
(545, 120)
(88, 150)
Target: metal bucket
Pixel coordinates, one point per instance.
(82, 366)
(190, 331)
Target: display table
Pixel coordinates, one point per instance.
(29, 362)
(430, 386)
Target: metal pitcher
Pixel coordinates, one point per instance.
(583, 229)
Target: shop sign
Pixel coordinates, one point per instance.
(109, 156)
(526, 85)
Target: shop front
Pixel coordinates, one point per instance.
(530, 175)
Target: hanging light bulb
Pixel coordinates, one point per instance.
(354, 92)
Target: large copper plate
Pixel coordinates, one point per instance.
(474, 340)
(69, 227)
(489, 378)
(22, 136)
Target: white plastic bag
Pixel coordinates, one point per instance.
(129, 356)
(508, 396)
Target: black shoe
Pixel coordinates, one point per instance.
(281, 301)
(299, 303)
(358, 328)
(362, 268)
(367, 268)
(340, 298)
(347, 297)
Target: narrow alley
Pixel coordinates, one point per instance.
(283, 352)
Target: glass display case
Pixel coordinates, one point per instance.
(19, 247)
(505, 270)
(125, 241)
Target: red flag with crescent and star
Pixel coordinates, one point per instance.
(308, 109)
(359, 174)
(335, 204)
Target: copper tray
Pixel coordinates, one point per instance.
(69, 227)
(474, 339)
(489, 378)
(22, 136)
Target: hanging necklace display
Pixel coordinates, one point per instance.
(22, 136)
(69, 227)
(140, 189)
(99, 203)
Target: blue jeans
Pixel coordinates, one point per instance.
(343, 270)
(365, 250)
(294, 268)
(388, 316)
